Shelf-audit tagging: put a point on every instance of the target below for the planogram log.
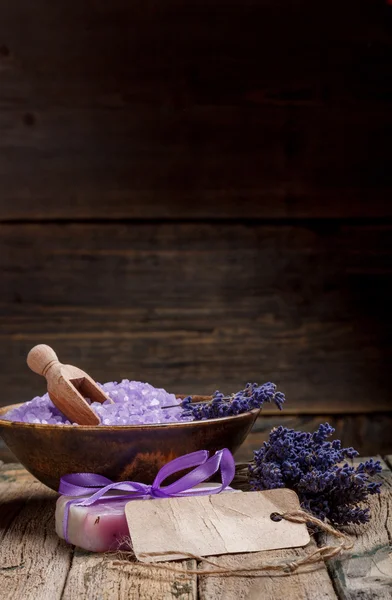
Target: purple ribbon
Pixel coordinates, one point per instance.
(80, 484)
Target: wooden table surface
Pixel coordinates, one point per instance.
(36, 565)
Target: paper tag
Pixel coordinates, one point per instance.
(212, 525)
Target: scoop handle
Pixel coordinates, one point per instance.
(41, 358)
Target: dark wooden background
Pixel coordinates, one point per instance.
(197, 194)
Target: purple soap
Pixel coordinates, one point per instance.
(97, 528)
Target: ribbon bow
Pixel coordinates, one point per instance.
(80, 484)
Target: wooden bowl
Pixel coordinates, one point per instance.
(131, 452)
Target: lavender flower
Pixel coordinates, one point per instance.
(312, 467)
(252, 396)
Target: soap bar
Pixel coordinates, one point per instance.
(101, 527)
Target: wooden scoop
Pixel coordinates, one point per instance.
(68, 386)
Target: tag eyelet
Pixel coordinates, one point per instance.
(276, 517)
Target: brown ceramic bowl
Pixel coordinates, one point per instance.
(133, 452)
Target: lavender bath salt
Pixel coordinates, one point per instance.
(134, 403)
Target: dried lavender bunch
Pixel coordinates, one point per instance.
(252, 396)
(308, 464)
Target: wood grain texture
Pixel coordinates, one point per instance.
(97, 577)
(16, 486)
(36, 564)
(367, 572)
(195, 307)
(122, 110)
(34, 561)
(364, 573)
(269, 586)
(114, 114)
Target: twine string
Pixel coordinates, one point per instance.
(324, 553)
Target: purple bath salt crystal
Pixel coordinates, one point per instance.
(134, 403)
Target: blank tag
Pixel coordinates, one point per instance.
(211, 525)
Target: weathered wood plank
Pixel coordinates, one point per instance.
(105, 578)
(234, 169)
(367, 572)
(159, 37)
(34, 561)
(315, 585)
(370, 434)
(116, 110)
(16, 486)
(123, 28)
(195, 307)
